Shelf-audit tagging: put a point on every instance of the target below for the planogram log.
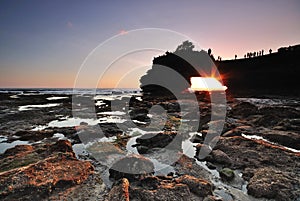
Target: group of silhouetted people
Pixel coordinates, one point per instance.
(255, 54)
(248, 55)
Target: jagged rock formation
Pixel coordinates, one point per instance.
(32, 172)
(172, 71)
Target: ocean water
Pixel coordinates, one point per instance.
(70, 91)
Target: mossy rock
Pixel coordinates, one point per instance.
(12, 163)
(227, 174)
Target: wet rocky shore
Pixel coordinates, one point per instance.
(47, 153)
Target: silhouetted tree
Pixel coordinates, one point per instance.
(185, 46)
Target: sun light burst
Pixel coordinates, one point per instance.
(206, 84)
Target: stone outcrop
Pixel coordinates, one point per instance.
(164, 188)
(33, 172)
(274, 184)
(120, 191)
(132, 167)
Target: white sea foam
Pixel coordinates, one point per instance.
(57, 98)
(30, 107)
(255, 137)
(14, 96)
(70, 122)
(116, 113)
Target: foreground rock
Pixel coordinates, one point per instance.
(274, 184)
(132, 167)
(119, 191)
(33, 172)
(272, 171)
(161, 188)
(150, 141)
(227, 174)
(286, 138)
(243, 109)
(246, 153)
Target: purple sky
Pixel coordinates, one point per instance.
(43, 43)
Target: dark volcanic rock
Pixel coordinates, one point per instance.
(184, 188)
(120, 191)
(219, 157)
(33, 135)
(243, 110)
(110, 129)
(200, 187)
(260, 162)
(274, 184)
(288, 125)
(40, 169)
(132, 167)
(237, 131)
(139, 114)
(256, 153)
(282, 112)
(160, 140)
(286, 138)
(268, 120)
(227, 174)
(188, 166)
(205, 150)
(165, 192)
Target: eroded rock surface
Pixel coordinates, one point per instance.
(275, 184)
(33, 172)
(161, 188)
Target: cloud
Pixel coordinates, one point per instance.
(69, 24)
(122, 32)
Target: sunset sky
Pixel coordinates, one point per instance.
(44, 43)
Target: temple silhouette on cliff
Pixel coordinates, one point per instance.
(275, 73)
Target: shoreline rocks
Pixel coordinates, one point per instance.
(274, 184)
(40, 169)
(271, 170)
(161, 188)
(132, 167)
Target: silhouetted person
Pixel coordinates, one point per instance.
(254, 54)
(270, 51)
(235, 56)
(262, 52)
(245, 56)
(209, 51)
